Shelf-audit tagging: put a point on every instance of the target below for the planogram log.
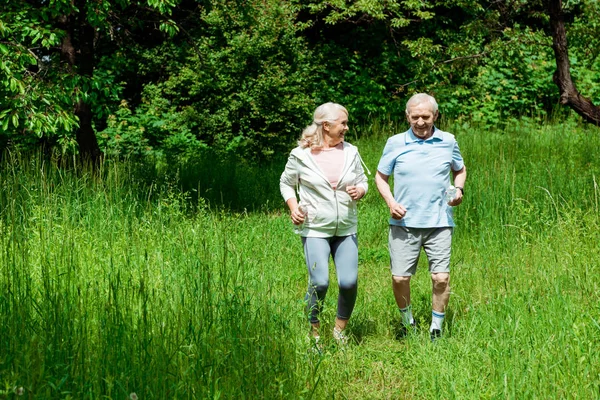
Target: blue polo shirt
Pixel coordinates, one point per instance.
(421, 172)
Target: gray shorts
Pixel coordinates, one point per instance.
(405, 247)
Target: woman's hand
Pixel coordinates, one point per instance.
(355, 192)
(298, 216)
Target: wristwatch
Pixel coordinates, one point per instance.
(461, 190)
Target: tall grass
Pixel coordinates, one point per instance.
(104, 293)
(133, 280)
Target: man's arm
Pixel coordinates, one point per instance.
(397, 211)
(460, 177)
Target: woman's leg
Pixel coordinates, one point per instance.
(316, 253)
(345, 257)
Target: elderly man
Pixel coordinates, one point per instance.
(421, 160)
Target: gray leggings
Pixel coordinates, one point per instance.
(344, 250)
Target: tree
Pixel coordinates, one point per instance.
(238, 80)
(569, 95)
(489, 61)
(50, 54)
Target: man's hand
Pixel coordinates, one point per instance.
(397, 210)
(459, 182)
(457, 199)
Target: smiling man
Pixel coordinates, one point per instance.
(421, 161)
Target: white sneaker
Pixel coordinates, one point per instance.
(315, 344)
(340, 337)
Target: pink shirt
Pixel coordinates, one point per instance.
(331, 162)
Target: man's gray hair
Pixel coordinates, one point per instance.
(422, 98)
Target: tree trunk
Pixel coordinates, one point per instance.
(86, 137)
(562, 77)
(80, 53)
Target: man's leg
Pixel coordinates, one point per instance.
(440, 298)
(437, 246)
(401, 288)
(441, 291)
(405, 247)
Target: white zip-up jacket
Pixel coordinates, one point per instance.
(330, 212)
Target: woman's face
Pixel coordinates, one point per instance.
(334, 132)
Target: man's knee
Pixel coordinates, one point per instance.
(440, 281)
(400, 280)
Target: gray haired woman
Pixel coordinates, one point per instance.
(328, 176)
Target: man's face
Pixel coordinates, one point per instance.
(421, 118)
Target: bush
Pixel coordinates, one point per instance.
(242, 86)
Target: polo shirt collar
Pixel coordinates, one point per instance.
(437, 135)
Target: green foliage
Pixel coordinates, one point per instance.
(584, 49)
(123, 136)
(397, 14)
(171, 77)
(358, 45)
(358, 82)
(40, 89)
(515, 80)
(242, 86)
(130, 134)
(483, 62)
(31, 105)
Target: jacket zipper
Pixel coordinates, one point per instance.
(345, 171)
(337, 206)
(337, 212)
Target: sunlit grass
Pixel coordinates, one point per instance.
(117, 282)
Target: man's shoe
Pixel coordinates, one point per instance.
(435, 334)
(405, 330)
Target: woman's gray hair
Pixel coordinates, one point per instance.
(422, 98)
(312, 135)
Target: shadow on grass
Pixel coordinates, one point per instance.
(207, 179)
(362, 328)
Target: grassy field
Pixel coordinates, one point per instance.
(121, 285)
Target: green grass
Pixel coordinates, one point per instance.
(119, 282)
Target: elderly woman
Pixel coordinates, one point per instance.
(329, 178)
